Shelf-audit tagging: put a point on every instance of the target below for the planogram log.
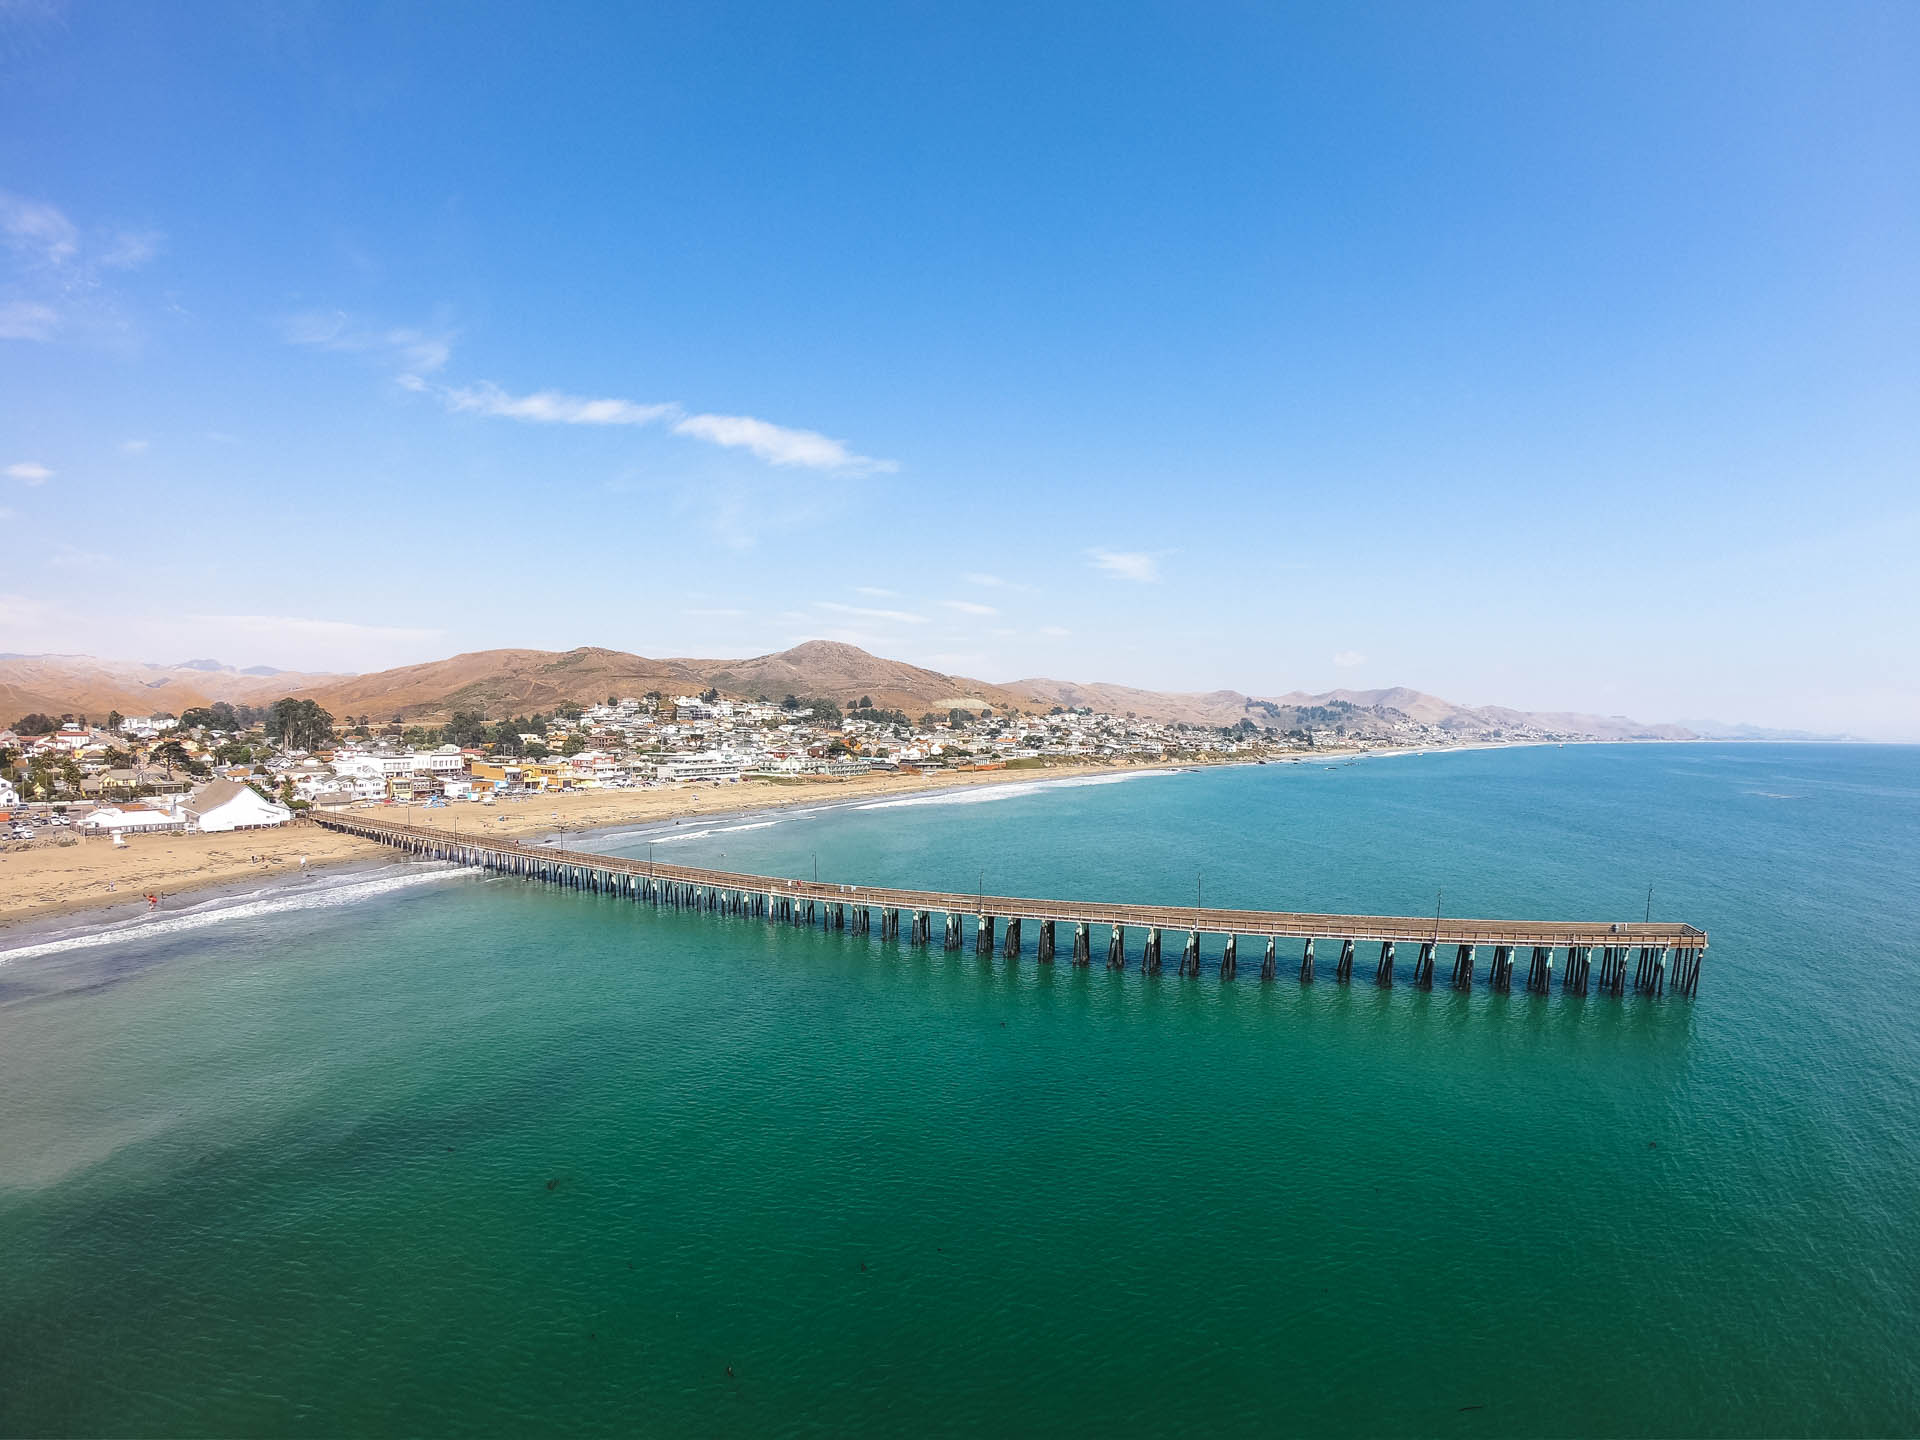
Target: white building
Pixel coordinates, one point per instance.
(445, 761)
(132, 819)
(229, 805)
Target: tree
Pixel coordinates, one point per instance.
(573, 745)
(299, 724)
(958, 718)
(865, 703)
(712, 694)
(506, 738)
(234, 752)
(465, 728)
(170, 753)
(825, 712)
(537, 751)
(36, 724)
(115, 719)
(612, 701)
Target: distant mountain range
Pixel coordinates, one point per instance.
(518, 682)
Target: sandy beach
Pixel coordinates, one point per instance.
(93, 875)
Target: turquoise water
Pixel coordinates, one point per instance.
(468, 1154)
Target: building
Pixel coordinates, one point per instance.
(133, 819)
(230, 805)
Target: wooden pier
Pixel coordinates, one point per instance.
(1660, 956)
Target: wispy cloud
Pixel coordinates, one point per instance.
(417, 352)
(874, 592)
(29, 472)
(545, 407)
(133, 447)
(56, 272)
(897, 617)
(779, 445)
(969, 607)
(775, 444)
(72, 557)
(716, 614)
(994, 582)
(334, 630)
(1347, 659)
(28, 320)
(37, 231)
(1134, 565)
(1056, 631)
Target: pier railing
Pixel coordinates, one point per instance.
(1661, 945)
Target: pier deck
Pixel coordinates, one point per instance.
(843, 906)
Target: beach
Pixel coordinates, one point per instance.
(47, 881)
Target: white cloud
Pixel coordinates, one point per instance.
(133, 447)
(969, 607)
(1056, 631)
(775, 444)
(1135, 565)
(897, 617)
(417, 350)
(876, 593)
(57, 271)
(716, 614)
(1347, 659)
(548, 407)
(992, 582)
(221, 437)
(27, 320)
(778, 445)
(29, 472)
(5, 513)
(37, 230)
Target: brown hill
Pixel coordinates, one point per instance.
(499, 683)
(81, 685)
(518, 682)
(1359, 712)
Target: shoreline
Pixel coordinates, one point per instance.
(107, 884)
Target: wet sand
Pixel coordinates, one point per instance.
(96, 876)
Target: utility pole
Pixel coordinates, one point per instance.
(1649, 904)
(1437, 895)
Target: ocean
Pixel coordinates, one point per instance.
(421, 1152)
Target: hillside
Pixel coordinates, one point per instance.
(81, 685)
(500, 682)
(519, 682)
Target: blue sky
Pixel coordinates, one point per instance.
(1540, 355)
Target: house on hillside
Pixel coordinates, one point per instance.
(229, 805)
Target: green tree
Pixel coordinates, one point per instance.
(169, 753)
(299, 724)
(712, 694)
(234, 752)
(115, 719)
(466, 728)
(537, 751)
(36, 724)
(573, 745)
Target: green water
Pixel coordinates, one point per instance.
(471, 1155)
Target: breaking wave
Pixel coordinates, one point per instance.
(323, 895)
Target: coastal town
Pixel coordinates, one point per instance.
(225, 767)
